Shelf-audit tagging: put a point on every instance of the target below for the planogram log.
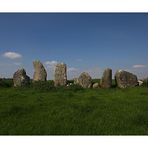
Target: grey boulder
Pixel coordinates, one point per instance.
(125, 79)
(85, 80)
(20, 78)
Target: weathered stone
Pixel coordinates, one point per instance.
(125, 79)
(95, 85)
(40, 73)
(20, 78)
(85, 80)
(60, 75)
(106, 81)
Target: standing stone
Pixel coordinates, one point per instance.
(20, 78)
(60, 74)
(85, 80)
(40, 73)
(106, 81)
(125, 79)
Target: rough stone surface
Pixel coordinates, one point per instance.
(85, 80)
(40, 73)
(125, 79)
(95, 85)
(106, 81)
(60, 75)
(20, 78)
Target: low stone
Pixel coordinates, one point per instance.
(125, 79)
(95, 85)
(140, 82)
(20, 78)
(69, 84)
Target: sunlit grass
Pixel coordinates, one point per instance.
(28, 111)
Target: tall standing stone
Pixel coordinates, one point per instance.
(40, 73)
(20, 78)
(106, 81)
(125, 79)
(60, 74)
(85, 80)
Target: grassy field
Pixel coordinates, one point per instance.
(73, 111)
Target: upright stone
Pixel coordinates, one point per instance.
(125, 79)
(60, 74)
(106, 81)
(85, 80)
(20, 78)
(40, 73)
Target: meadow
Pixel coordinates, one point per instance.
(41, 109)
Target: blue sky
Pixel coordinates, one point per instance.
(85, 42)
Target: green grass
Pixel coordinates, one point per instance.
(73, 111)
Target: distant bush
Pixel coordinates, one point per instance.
(145, 82)
(70, 81)
(74, 87)
(96, 81)
(42, 86)
(6, 82)
(114, 83)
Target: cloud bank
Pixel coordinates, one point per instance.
(50, 64)
(72, 69)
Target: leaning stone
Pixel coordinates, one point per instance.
(85, 80)
(60, 74)
(125, 79)
(40, 73)
(106, 81)
(20, 78)
(95, 85)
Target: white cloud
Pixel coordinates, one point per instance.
(72, 69)
(51, 63)
(12, 55)
(139, 66)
